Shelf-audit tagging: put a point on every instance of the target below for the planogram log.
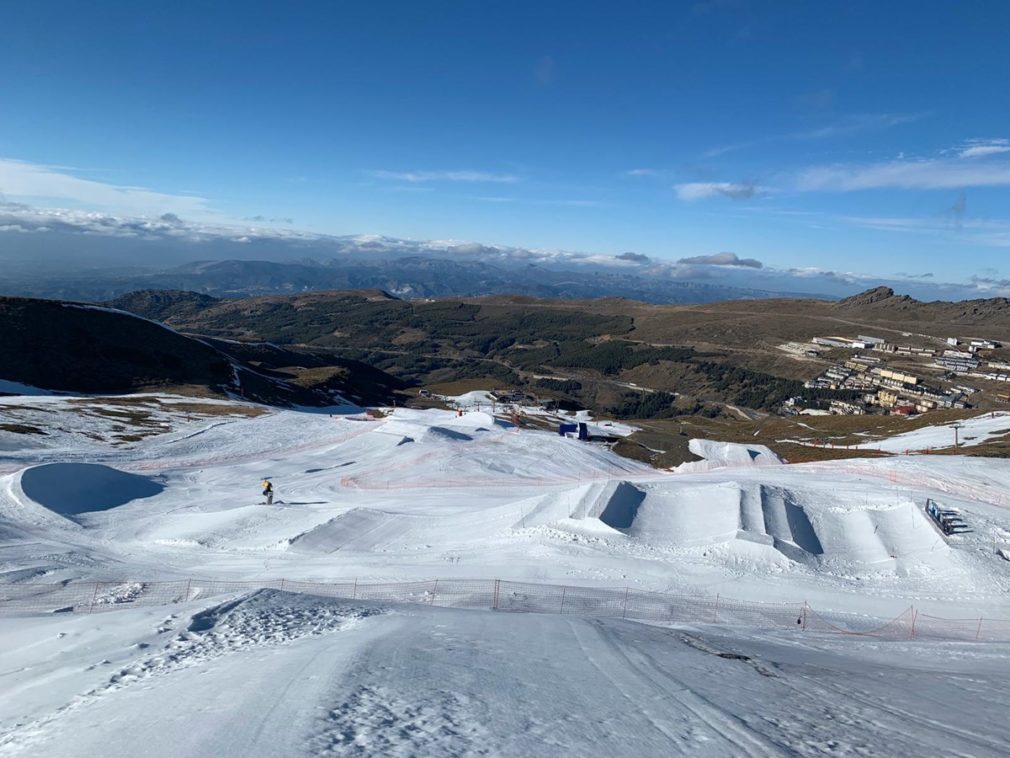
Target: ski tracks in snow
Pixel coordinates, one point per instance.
(692, 723)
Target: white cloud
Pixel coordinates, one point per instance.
(570, 203)
(444, 176)
(852, 124)
(18, 217)
(576, 203)
(901, 174)
(980, 148)
(642, 172)
(700, 190)
(496, 199)
(723, 259)
(858, 122)
(35, 182)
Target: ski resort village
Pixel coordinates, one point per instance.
(918, 376)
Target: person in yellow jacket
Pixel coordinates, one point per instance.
(268, 491)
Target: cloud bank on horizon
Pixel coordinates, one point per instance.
(654, 139)
(165, 241)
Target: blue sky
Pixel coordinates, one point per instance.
(856, 136)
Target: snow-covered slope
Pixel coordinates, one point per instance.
(430, 494)
(720, 454)
(971, 432)
(433, 495)
(275, 674)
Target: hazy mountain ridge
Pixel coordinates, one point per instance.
(414, 276)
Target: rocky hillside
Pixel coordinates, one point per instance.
(75, 347)
(882, 303)
(595, 353)
(164, 305)
(69, 346)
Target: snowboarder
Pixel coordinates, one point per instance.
(268, 491)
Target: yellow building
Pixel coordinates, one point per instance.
(887, 399)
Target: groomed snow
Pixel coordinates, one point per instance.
(277, 674)
(972, 431)
(478, 400)
(716, 455)
(429, 494)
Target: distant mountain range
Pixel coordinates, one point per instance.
(92, 256)
(411, 277)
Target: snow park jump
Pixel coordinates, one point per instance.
(736, 553)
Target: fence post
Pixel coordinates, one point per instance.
(624, 612)
(804, 615)
(715, 617)
(978, 632)
(282, 585)
(94, 597)
(915, 615)
(563, 590)
(494, 602)
(434, 589)
(354, 592)
(189, 584)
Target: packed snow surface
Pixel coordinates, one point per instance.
(720, 454)
(273, 674)
(434, 495)
(431, 494)
(971, 432)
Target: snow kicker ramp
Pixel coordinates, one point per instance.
(372, 529)
(72, 489)
(717, 455)
(818, 528)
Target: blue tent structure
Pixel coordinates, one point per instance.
(580, 428)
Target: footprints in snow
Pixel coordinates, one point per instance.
(265, 618)
(259, 620)
(375, 721)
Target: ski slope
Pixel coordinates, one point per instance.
(430, 494)
(971, 432)
(278, 674)
(421, 495)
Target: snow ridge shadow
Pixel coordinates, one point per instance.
(71, 489)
